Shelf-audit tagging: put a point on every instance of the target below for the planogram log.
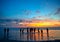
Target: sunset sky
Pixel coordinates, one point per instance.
(45, 12)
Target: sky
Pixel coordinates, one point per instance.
(29, 9)
(34, 13)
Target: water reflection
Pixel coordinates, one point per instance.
(31, 34)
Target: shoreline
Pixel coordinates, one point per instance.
(29, 41)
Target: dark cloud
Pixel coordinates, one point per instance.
(57, 12)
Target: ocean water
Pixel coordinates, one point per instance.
(15, 34)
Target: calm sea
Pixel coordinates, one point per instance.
(15, 34)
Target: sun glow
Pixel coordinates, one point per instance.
(41, 24)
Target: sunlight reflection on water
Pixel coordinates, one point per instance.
(15, 34)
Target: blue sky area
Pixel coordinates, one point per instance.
(24, 9)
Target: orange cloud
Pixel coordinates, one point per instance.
(42, 23)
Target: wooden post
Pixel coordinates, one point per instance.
(47, 33)
(34, 36)
(4, 33)
(38, 30)
(41, 34)
(27, 30)
(20, 33)
(34, 30)
(20, 30)
(28, 34)
(38, 34)
(7, 33)
(31, 29)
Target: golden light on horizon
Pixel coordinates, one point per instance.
(41, 24)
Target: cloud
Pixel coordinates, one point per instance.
(57, 12)
(41, 17)
(37, 11)
(54, 12)
(27, 12)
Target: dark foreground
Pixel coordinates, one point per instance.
(29, 41)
